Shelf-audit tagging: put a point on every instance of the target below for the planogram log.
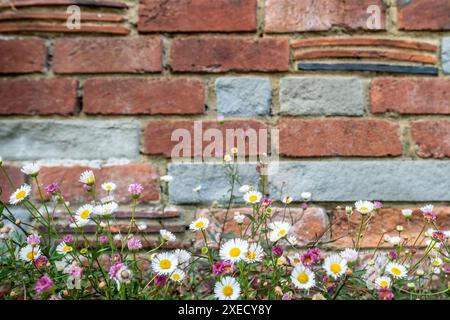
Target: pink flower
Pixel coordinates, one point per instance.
(40, 262)
(378, 205)
(33, 240)
(304, 206)
(75, 271)
(385, 294)
(429, 216)
(160, 280)
(134, 244)
(222, 267)
(286, 296)
(393, 255)
(114, 270)
(68, 238)
(52, 188)
(43, 284)
(311, 257)
(135, 190)
(266, 201)
(439, 236)
(103, 238)
(277, 251)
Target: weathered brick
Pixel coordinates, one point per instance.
(411, 95)
(197, 15)
(17, 178)
(322, 96)
(121, 175)
(22, 55)
(42, 96)
(230, 54)
(89, 3)
(14, 27)
(446, 55)
(158, 136)
(339, 137)
(69, 139)
(344, 230)
(107, 55)
(310, 15)
(139, 96)
(432, 138)
(356, 180)
(243, 96)
(212, 179)
(423, 14)
(61, 16)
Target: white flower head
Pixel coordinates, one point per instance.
(349, 254)
(234, 250)
(227, 289)
(364, 207)
(427, 208)
(239, 218)
(335, 266)
(287, 200)
(63, 248)
(281, 261)
(106, 209)
(87, 177)
(396, 270)
(244, 189)
(167, 235)
(253, 197)
(183, 257)
(255, 253)
(303, 278)
(31, 169)
(166, 178)
(177, 275)
(436, 261)
(383, 282)
(279, 230)
(20, 194)
(109, 186)
(306, 196)
(227, 158)
(295, 260)
(197, 188)
(164, 263)
(83, 213)
(292, 240)
(407, 213)
(395, 241)
(142, 226)
(199, 224)
(29, 253)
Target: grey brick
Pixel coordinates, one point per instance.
(322, 96)
(243, 96)
(446, 54)
(364, 180)
(69, 139)
(211, 178)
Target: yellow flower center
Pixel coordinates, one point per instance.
(165, 264)
(302, 278)
(176, 276)
(335, 268)
(251, 255)
(21, 194)
(396, 271)
(253, 198)
(85, 214)
(31, 255)
(363, 208)
(90, 180)
(282, 232)
(235, 252)
(67, 248)
(227, 291)
(199, 224)
(108, 187)
(296, 260)
(384, 284)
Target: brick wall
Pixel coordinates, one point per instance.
(361, 104)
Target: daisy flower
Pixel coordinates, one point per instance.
(295, 260)
(306, 196)
(407, 213)
(303, 278)
(199, 224)
(255, 253)
(239, 218)
(252, 197)
(178, 275)
(227, 289)
(383, 282)
(87, 177)
(427, 208)
(84, 213)
(335, 266)
(31, 169)
(287, 200)
(234, 250)
(351, 255)
(109, 186)
(364, 207)
(227, 158)
(279, 230)
(63, 248)
(436, 261)
(167, 235)
(244, 189)
(292, 240)
(33, 239)
(106, 209)
(20, 194)
(29, 253)
(183, 256)
(397, 270)
(164, 263)
(134, 244)
(281, 261)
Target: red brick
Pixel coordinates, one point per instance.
(424, 15)
(339, 137)
(17, 178)
(63, 16)
(411, 95)
(121, 175)
(87, 3)
(230, 54)
(139, 96)
(311, 15)
(197, 15)
(157, 135)
(22, 56)
(386, 221)
(107, 55)
(14, 27)
(432, 138)
(43, 96)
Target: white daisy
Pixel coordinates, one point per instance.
(295, 260)
(78, 223)
(239, 218)
(199, 224)
(29, 253)
(164, 263)
(83, 213)
(107, 199)
(183, 256)
(383, 282)
(106, 209)
(109, 186)
(31, 169)
(335, 266)
(255, 253)
(407, 213)
(306, 196)
(292, 240)
(397, 270)
(177, 275)
(351, 255)
(20, 194)
(395, 241)
(167, 235)
(244, 189)
(142, 226)
(427, 208)
(166, 178)
(234, 250)
(303, 278)
(87, 177)
(279, 230)
(287, 200)
(63, 248)
(227, 289)
(227, 158)
(364, 207)
(281, 261)
(436, 261)
(252, 197)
